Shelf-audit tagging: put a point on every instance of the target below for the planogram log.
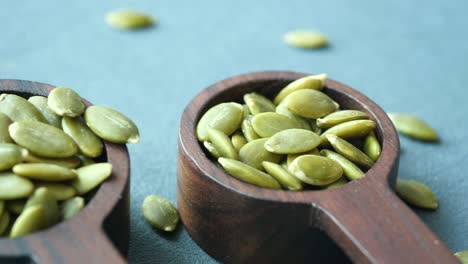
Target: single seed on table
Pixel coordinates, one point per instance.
(222, 144)
(40, 102)
(88, 143)
(59, 191)
(315, 170)
(372, 146)
(246, 173)
(18, 109)
(258, 103)
(291, 157)
(286, 179)
(211, 149)
(128, 19)
(268, 124)
(350, 152)
(462, 256)
(160, 213)
(339, 117)
(238, 141)
(248, 130)
(306, 39)
(70, 162)
(29, 221)
(4, 222)
(226, 117)
(292, 141)
(314, 82)
(350, 170)
(89, 177)
(10, 155)
(16, 206)
(413, 127)
(309, 103)
(5, 122)
(64, 101)
(340, 182)
(42, 197)
(348, 130)
(254, 153)
(71, 207)
(282, 110)
(14, 187)
(416, 193)
(44, 172)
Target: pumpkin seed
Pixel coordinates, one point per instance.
(350, 170)
(14, 187)
(291, 157)
(246, 110)
(254, 153)
(42, 197)
(340, 182)
(222, 143)
(40, 102)
(5, 122)
(10, 155)
(258, 103)
(4, 222)
(462, 256)
(44, 172)
(88, 143)
(59, 191)
(29, 221)
(64, 101)
(416, 193)
(2, 207)
(350, 152)
(413, 127)
(339, 117)
(43, 139)
(89, 177)
(111, 125)
(372, 146)
(306, 39)
(282, 110)
(18, 109)
(292, 141)
(238, 141)
(70, 162)
(213, 151)
(268, 124)
(160, 213)
(315, 170)
(314, 82)
(85, 161)
(285, 178)
(226, 117)
(71, 207)
(248, 130)
(309, 103)
(348, 130)
(127, 19)
(246, 173)
(16, 206)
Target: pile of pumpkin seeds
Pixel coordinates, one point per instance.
(50, 150)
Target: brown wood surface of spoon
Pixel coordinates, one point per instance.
(98, 234)
(236, 222)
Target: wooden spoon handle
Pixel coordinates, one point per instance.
(372, 225)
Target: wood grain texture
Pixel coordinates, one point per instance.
(236, 222)
(85, 237)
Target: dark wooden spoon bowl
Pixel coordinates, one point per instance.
(237, 222)
(99, 233)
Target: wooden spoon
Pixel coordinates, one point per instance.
(236, 222)
(86, 238)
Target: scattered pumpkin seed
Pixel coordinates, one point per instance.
(292, 141)
(213, 151)
(16, 206)
(309, 103)
(59, 191)
(416, 193)
(5, 122)
(44, 172)
(71, 207)
(348, 130)
(64, 101)
(372, 146)
(226, 117)
(88, 143)
(238, 141)
(18, 109)
(254, 153)
(258, 103)
(40, 102)
(246, 173)
(70, 162)
(350, 170)
(222, 143)
(306, 39)
(248, 130)
(286, 179)
(10, 155)
(14, 187)
(4, 221)
(339, 117)
(462, 256)
(291, 157)
(89, 177)
(129, 20)
(30, 220)
(160, 213)
(413, 127)
(315, 170)
(268, 124)
(350, 152)
(282, 110)
(42, 197)
(314, 82)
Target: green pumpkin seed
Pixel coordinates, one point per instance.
(309, 103)
(268, 124)
(10, 155)
(4, 222)
(71, 207)
(348, 130)
(340, 182)
(16, 206)
(314, 82)
(226, 117)
(339, 117)
(292, 141)
(59, 191)
(5, 122)
(350, 152)
(291, 157)
(350, 170)
(315, 170)
(43, 139)
(44, 172)
(85, 161)
(89, 177)
(462, 256)
(372, 147)
(238, 141)
(222, 143)
(111, 125)
(258, 103)
(246, 173)
(286, 179)
(64, 101)
(160, 213)
(314, 127)
(127, 19)
(254, 153)
(306, 39)
(413, 127)
(70, 162)
(40, 102)
(248, 130)
(18, 109)
(42, 197)
(88, 143)
(282, 110)
(14, 187)
(29, 221)
(246, 110)
(416, 193)
(213, 151)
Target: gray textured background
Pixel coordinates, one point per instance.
(406, 55)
